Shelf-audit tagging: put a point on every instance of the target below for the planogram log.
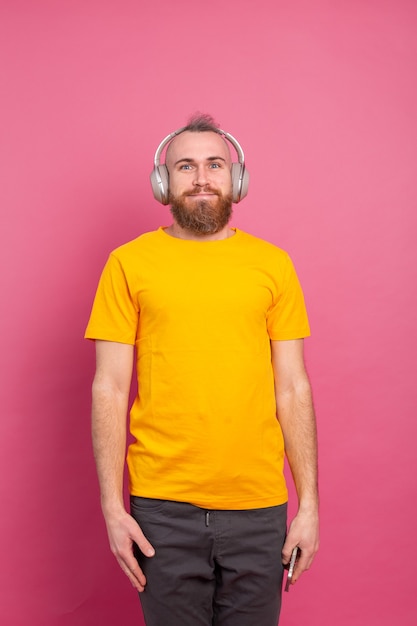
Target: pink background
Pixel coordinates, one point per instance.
(322, 95)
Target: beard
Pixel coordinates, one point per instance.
(203, 217)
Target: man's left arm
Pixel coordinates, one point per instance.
(295, 413)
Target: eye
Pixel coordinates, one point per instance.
(185, 166)
(215, 166)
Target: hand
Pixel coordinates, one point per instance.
(304, 533)
(123, 531)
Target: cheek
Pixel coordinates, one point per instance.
(175, 184)
(227, 183)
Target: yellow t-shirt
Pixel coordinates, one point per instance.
(201, 315)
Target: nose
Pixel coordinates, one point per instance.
(200, 178)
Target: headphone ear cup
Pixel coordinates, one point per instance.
(159, 183)
(240, 182)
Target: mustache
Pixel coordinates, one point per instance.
(202, 190)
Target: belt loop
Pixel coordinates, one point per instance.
(207, 518)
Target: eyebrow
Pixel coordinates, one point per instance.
(213, 158)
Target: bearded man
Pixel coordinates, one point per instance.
(215, 319)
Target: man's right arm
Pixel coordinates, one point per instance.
(114, 364)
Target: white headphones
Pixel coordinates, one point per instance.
(160, 175)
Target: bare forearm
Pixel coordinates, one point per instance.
(110, 402)
(296, 415)
(297, 419)
(109, 443)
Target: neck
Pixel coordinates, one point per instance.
(181, 233)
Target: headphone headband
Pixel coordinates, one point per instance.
(170, 137)
(160, 175)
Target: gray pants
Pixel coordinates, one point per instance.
(211, 567)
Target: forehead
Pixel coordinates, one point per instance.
(197, 146)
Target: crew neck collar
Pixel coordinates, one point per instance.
(162, 231)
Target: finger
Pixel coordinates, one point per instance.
(144, 545)
(122, 540)
(141, 541)
(302, 565)
(134, 573)
(130, 564)
(287, 550)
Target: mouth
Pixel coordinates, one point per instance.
(202, 194)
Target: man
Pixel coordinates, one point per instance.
(216, 319)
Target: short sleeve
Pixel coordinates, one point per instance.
(287, 318)
(114, 316)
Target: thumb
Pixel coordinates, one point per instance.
(143, 544)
